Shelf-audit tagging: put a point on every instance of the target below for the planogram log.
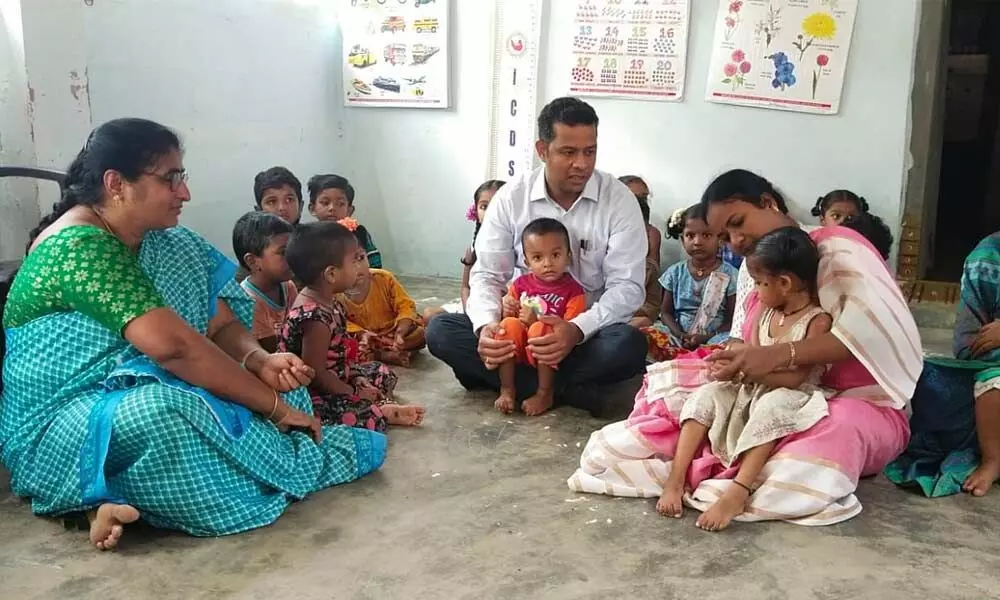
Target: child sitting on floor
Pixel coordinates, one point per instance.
(547, 291)
(650, 309)
(699, 294)
(476, 212)
(331, 198)
(844, 207)
(838, 205)
(743, 420)
(326, 257)
(259, 241)
(481, 197)
(383, 316)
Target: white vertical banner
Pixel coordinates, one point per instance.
(517, 44)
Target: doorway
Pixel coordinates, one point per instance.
(966, 203)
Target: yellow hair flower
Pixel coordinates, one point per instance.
(820, 26)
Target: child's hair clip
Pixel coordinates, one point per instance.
(472, 214)
(349, 223)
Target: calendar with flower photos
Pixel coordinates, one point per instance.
(630, 49)
(781, 54)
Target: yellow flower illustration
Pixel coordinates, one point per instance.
(820, 25)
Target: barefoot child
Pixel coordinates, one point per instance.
(743, 420)
(699, 294)
(383, 316)
(331, 198)
(327, 258)
(259, 241)
(548, 290)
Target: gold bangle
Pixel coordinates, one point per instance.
(246, 357)
(274, 408)
(282, 419)
(791, 355)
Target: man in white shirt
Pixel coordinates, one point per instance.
(608, 244)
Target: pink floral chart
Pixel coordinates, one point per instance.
(735, 72)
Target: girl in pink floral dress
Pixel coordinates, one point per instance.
(326, 257)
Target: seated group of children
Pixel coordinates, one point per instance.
(317, 296)
(697, 296)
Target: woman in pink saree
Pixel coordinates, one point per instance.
(875, 352)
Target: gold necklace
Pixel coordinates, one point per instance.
(107, 225)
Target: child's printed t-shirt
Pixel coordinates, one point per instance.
(564, 298)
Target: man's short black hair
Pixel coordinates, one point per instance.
(545, 226)
(315, 246)
(254, 231)
(568, 111)
(318, 183)
(274, 178)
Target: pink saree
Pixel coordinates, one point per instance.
(811, 476)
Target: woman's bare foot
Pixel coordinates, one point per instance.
(505, 403)
(671, 502)
(721, 514)
(539, 403)
(983, 478)
(107, 524)
(406, 416)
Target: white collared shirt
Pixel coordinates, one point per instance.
(608, 245)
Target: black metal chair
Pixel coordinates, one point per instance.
(9, 268)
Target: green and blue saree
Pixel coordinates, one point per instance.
(943, 449)
(86, 419)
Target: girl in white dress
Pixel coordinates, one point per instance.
(744, 419)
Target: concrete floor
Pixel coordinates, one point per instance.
(475, 505)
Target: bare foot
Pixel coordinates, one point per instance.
(406, 416)
(539, 403)
(400, 358)
(721, 514)
(505, 403)
(671, 502)
(982, 479)
(108, 522)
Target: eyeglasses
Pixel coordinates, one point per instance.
(174, 178)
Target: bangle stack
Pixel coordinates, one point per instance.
(791, 355)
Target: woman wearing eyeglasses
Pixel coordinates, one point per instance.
(131, 385)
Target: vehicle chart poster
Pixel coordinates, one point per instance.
(630, 49)
(395, 53)
(781, 54)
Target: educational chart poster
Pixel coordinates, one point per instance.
(782, 54)
(395, 53)
(630, 48)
